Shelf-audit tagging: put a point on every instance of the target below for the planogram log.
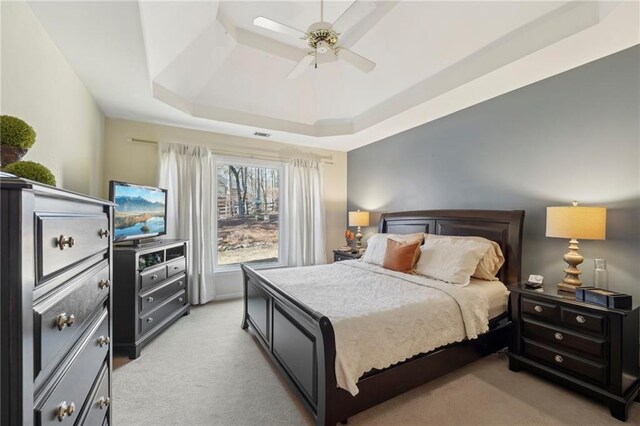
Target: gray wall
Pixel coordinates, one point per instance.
(572, 136)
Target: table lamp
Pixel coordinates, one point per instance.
(573, 222)
(359, 219)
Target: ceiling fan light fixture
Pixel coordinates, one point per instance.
(322, 47)
(322, 37)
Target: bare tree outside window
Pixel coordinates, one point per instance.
(248, 213)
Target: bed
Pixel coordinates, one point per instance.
(301, 341)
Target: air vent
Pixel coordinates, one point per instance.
(262, 134)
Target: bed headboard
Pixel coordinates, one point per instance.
(501, 226)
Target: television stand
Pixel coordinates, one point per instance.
(141, 243)
(150, 291)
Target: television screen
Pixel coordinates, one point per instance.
(140, 211)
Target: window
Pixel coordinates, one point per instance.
(248, 223)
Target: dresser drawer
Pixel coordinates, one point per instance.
(153, 276)
(63, 241)
(99, 401)
(60, 318)
(154, 296)
(162, 312)
(565, 339)
(581, 320)
(538, 309)
(73, 388)
(573, 364)
(176, 267)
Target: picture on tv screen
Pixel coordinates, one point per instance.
(140, 211)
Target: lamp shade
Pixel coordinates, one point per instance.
(587, 223)
(358, 218)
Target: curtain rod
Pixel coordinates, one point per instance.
(324, 159)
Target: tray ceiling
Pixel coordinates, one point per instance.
(205, 65)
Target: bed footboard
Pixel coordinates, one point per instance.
(298, 340)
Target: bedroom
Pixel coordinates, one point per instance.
(499, 106)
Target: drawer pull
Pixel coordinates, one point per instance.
(104, 340)
(149, 299)
(65, 410)
(558, 336)
(175, 268)
(104, 233)
(537, 308)
(558, 358)
(65, 241)
(104, 402)
(154, 277)
(150, 320)
(580, 319)
(180, 283)
(104, 284)
(180, 299)
(65, 321)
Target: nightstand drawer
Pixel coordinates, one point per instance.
(539, 309)
(565, 339)
(339, 255)
(570, 363)
(583, 321)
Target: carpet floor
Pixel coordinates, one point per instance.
(205, 370)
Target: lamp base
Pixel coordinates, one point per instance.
(571, 278)
(359, 240)
(569, 288)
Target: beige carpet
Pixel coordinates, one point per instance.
(206, 370)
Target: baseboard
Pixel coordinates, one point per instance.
(227, 297)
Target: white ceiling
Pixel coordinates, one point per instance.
(204, 65)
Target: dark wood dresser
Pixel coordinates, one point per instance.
(150, 293)
(55, 306)
(587, 347)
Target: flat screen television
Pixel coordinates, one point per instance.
(140, 211)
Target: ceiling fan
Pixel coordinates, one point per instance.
(323, 37)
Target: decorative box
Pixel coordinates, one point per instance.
(602, 297)
(620, 301)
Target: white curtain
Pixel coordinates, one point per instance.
(305, 213)
(187, 172)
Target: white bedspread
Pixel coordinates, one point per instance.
(381, 317)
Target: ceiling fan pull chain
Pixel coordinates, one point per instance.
(315, 56)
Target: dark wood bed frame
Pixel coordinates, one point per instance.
(301, 341)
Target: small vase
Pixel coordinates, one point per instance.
(600, 275)
(10, 154)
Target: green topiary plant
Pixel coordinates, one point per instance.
(15, 132)
(32, 171)
(16, 137)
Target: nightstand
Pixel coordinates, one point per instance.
(339, 255)
(589, 348)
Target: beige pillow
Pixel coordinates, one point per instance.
(401, 257)
(450, 260)
(490, 263)
(377, 246)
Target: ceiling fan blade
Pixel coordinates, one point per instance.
(269, 24)
(360, 62)
(300, 66)
(358, 10)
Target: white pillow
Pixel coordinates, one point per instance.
(377, 245)
(490, 263)
(450, 260)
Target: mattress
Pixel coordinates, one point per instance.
(382, 317)
(497, 296)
